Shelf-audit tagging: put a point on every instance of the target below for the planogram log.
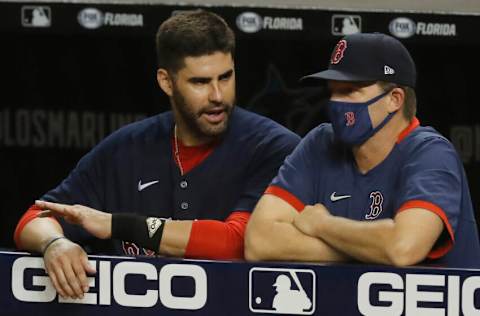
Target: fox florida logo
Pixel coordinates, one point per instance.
(282, 291)
(388, 293)
(31, 284)
(403, 27)
(251, 22)
(92, 18)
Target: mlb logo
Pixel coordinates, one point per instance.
(282, 291)
(36, 16)
(346, 24)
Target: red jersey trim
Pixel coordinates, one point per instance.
(413, 125)
(286, 196)
(29, 215)
(441, 250)
(211, 239)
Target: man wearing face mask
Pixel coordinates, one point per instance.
(374, 185)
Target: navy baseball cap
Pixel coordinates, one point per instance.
(369, 57)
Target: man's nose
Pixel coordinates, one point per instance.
(216, 94)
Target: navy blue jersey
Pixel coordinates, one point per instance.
(132, 170)
(423, 170)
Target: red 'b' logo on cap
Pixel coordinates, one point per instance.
(337, 54)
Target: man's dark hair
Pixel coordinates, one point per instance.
(192, 34)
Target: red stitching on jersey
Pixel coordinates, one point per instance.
(286, 196)
(413, 125)
(441, 250)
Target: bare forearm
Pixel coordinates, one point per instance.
(365, 241)
(404, 240)
(286, 242)
(271, 235)
(175, 238)
(38, 232)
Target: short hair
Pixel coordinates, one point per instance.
(410, 103)
(192, 34)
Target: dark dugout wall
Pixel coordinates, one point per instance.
(72, 73)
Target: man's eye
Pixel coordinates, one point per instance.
(226, 77)
(199, 81)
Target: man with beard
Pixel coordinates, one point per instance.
(374, 185)
(182, 183)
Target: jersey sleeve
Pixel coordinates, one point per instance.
(27, 217)
(295, 182)
(210, 239)
(432, 180)
(84, 185)
(268, 158)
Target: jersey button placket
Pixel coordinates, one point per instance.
(184, 184)
(184, 206)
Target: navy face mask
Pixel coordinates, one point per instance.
(351, 122)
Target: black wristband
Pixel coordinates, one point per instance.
(144, 231)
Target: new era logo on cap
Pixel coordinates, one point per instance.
(388, 70)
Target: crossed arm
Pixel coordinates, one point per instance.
(277, 232)
(272, 235)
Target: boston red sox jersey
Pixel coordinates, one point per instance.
(133, 171)
(423, 170)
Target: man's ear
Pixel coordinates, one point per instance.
(165, 81)
(398, 99)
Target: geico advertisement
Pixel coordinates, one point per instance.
(127, 283)
(248, 290)
(388, 293)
